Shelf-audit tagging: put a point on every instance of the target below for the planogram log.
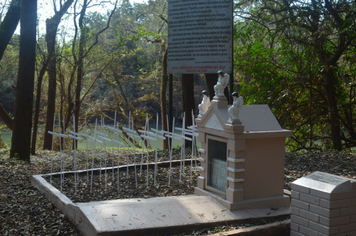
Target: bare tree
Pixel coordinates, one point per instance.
(21, 135)
(9, 24)
(49, 64)
(7, 29)
(80, 51)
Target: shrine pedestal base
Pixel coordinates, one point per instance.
(258, 203)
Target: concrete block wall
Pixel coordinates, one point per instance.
(319, 211)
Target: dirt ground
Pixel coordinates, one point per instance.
(24, 211)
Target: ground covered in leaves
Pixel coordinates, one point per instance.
(24, 211)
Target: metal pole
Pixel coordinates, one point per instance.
(231, 87)
(232, 55)
(170, 105)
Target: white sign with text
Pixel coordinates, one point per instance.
(199, 36)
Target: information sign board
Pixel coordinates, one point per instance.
(199, 36)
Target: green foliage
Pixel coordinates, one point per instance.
(293, 56)
(16, 157)
(2, 143)
(8, 76)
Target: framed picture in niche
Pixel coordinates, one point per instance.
(217, 165)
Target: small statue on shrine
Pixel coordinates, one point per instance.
(234, 110)
(205, 103)
(223, 80)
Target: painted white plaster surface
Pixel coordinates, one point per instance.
(214, 123)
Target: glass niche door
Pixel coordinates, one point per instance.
(217, 167)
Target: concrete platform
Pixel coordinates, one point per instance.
(153, 216)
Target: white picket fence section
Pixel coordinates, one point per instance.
(101, 138)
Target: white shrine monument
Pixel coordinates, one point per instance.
(242, 155)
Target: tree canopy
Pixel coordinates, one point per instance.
(298, 57)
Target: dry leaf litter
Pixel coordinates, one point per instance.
(25, 211)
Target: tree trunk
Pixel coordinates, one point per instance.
(80, 69)
(9, 25)
(188, 101)
(7, 29)
(163, 93)
(78, 89)
(51, 32)
(37, 108)
(21, 135)
(333, 111)
(51, 102)
(6, 118)
(211, 80)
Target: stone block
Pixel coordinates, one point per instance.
(295, 210)
(323, 229)
(335, 203)
(300, 188)
(300, 204)
(348, 228)
(348, 234)
(347, 211)
(320, 194)
(309, 215)
(331, 205)
(324, 211)
(309, 198)
(294, 233)
(294, 226)
(353, 202)
(295, 194)
(308, 231)
(334, 221)
(343, 220)
(340, 196)
(324, 220)
(299, 220)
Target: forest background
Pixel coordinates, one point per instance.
(296, 56)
